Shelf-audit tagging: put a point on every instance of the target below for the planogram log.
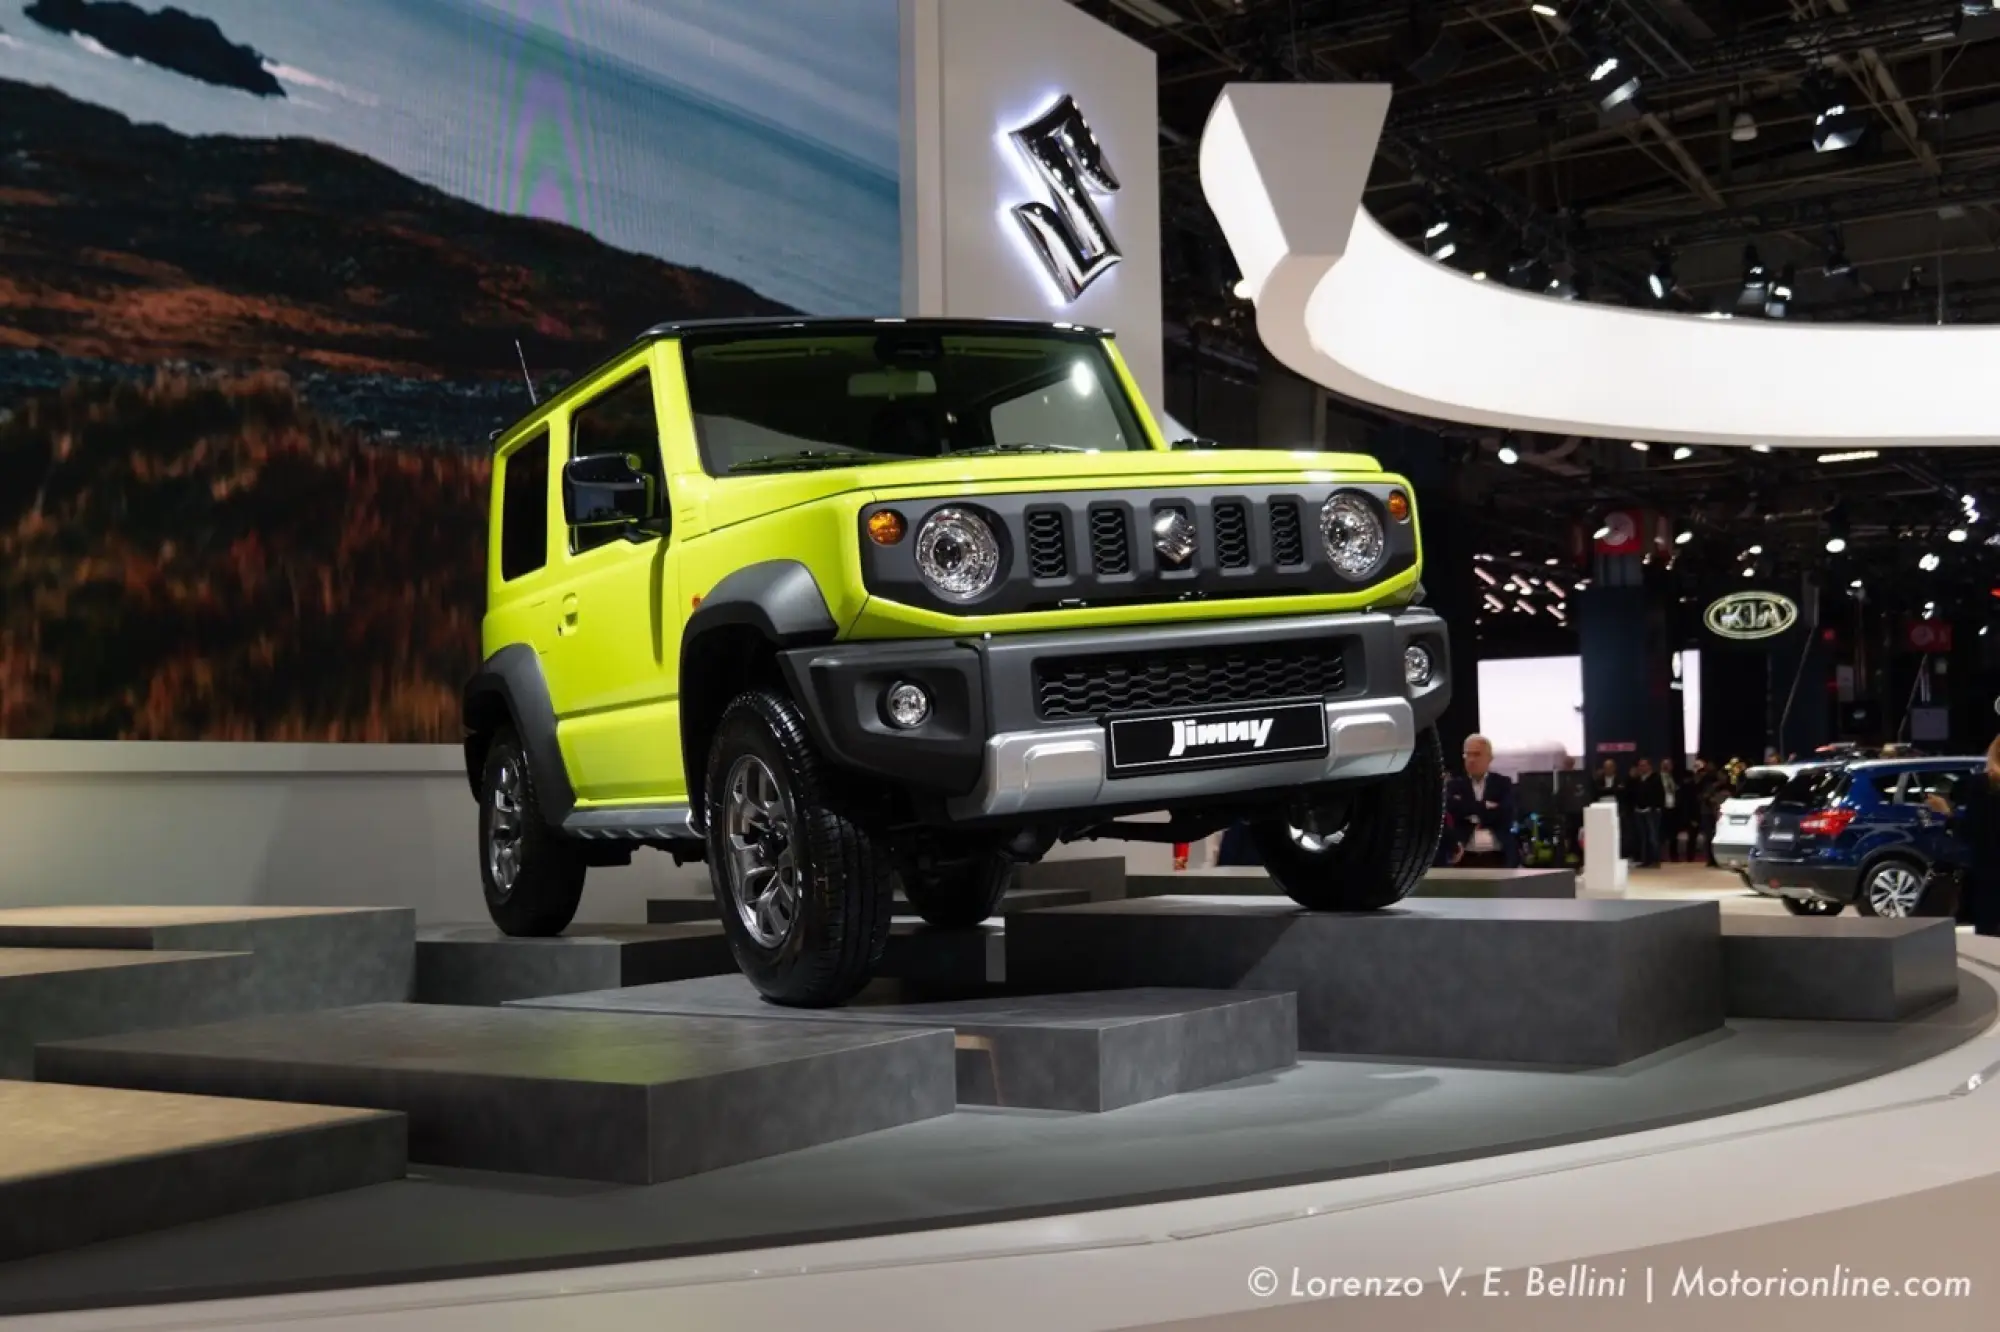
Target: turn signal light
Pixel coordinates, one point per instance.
(1399, 506)
(886, 527)
(1826, 823)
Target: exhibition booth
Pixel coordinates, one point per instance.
(263, 1054)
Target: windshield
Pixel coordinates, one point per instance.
(1761, 784)
(1814, 787)
(786, 400)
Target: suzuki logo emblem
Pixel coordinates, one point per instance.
(1071, 238)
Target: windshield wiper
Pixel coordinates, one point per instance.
(1018, 448)
(778, 462)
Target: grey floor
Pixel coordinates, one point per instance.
(1324, 1119)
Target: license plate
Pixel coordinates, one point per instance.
(1778, 837)
(1739, 818)
(1216, 737)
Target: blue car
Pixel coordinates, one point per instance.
(1860, 833)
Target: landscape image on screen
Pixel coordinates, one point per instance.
(272, 274)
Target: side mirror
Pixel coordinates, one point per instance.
(608, 490)
(1187, 445)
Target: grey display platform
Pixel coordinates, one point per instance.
(1566, 983)
(84, 1164)
(1323, 1119)
(477, 964)
(1847, 968)
(950, 963)
(1249, 881)
(606, 1096)
(1086, 1052)
(301, 957)
(60, 993)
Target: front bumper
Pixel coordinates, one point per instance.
(992, 751)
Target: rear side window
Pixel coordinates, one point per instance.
(1920, 786)
(524, 509)
(1819, 786)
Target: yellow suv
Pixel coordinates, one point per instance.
(836, 604)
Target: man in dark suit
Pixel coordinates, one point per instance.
(1647, 798)
(1480, 806)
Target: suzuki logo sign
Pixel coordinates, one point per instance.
(1070, 236)
(1746, 615)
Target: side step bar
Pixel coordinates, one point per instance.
(649, 823)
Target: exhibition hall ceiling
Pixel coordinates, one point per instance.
(1632, 152)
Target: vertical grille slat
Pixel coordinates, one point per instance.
(1110, 540)
(1232, 535)
(1288, 535)
(1048, 544)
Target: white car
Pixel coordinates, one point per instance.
(1736, 823)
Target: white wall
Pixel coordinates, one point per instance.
(975, 70)
(1531, 708)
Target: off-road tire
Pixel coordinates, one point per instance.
(1388, 842)
(549, 883)
(960, 893)
(846, 880)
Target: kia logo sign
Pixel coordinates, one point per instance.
(1746, 615)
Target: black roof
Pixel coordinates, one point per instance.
(841, 323)
(778, 323)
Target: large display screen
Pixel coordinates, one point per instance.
(271, 276)
(1531, 708)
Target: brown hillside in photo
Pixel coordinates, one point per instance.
(204, 559)
(132, 243)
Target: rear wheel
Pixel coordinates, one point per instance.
(1892, 889)
(802, 884)
(533, 876)
(1813, 906)
(1368, 849)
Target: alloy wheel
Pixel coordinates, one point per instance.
(763, 857)
(503, 828)
(1893, 890)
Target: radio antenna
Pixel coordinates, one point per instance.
(532, 400)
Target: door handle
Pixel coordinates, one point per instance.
(568, 623)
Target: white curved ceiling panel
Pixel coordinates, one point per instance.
(1345, 304)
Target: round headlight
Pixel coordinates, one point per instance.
(958, 553)
(1356, 545)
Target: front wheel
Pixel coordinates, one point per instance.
(1373, 851)
(803, 887)
(1891, 889)
(1813, 906)
(533, 876)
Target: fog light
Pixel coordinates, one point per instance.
(906, 706)
(1416, 665)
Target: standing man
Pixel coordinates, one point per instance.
(1676, 810)
(1647, 805)
(1481, 808)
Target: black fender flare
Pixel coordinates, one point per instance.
(509, 687)
(781, 603)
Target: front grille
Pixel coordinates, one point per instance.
(1288, 537)
(1232, 535)
(1110, 541)
(1048, 544)
(1204, 677)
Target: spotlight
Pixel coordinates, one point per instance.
(1929, 562)
(1760, 448)
(1856, 585)
(1616, 89)
(1663, 282)
(1780, 298)
(1852, 455)
(1683, 537)
(1756, 278)
(1601, 533)
(1683, 453)
(1836, 125)
(1641, 445)
(1749, 571)
(1756, 550)
(1508, 455)
(1957, 536)
(1243, 290)
(1545, 9)
(1977, 19)
(1480, 276)
(1744, 128)
(1834, 545)
(1838, 265)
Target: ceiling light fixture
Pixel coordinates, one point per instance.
(1616, 88)
(1957, 536)
(1836, 125)
(1929, 562)
(1683, 537)
(1508, 456)
(1683, 453)
(1600, 534)
(1760, 448)
(1663, 282)
(1641, 445)
(1744, 128)
(1756, 550)
(1853, 455)
(1780, 299)
(1756, 279)
(1749, 571)
(1834, 545)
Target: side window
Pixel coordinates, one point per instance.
(1918, 787)
(619, 420)
(524, 509)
